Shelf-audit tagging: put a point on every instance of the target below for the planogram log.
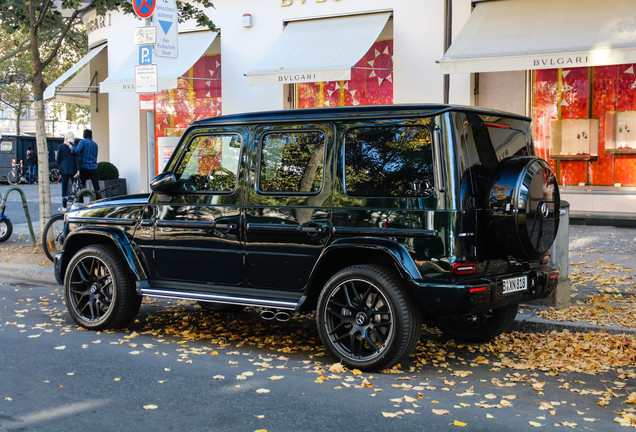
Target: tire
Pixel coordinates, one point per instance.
(480, 327)
(12, 178)
(54, 176)
(99, 290)
(6, 229)
(366, 319)
(523, 203)
(218, 307)
(53, 236)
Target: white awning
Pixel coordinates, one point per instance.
(78, 89)
(318, 50)
(544, 34)
(191, 47)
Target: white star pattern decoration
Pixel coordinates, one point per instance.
(631, 71)
(381, 63)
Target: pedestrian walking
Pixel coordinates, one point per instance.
(69, 168)
(32, 165)
(87, 151)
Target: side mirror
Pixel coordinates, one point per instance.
(164, 182)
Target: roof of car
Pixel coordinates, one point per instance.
(353, 112)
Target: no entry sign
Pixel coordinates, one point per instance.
(144, 8)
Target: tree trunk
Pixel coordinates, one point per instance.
(37, 80)
(43, 164)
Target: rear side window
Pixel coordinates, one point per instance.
(292, 162)
(389, 161)
(210, 164)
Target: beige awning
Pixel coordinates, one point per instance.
(318, 50)
(78, 89)
(191, 47)
(544, 34)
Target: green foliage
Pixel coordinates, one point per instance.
(107, 171)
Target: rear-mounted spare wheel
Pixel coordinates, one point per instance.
(523, 202)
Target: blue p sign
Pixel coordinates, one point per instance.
(145, 55)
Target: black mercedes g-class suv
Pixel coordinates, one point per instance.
(375, 217)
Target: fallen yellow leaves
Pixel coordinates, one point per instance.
(631, 399)
(150, 407)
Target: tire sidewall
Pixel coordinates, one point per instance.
(9, 229)
(105, 256)
(387, 286)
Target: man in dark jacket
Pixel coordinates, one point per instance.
(69, 168)
(87, 149)
(32, 165)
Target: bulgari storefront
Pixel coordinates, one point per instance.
(570, 65)
(266, 55)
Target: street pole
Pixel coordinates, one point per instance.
(150, 133)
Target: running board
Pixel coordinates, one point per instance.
(217, 298)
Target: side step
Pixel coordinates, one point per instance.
(217, 298)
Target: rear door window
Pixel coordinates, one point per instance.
(389, 161)
(292, 162)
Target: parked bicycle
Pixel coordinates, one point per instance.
(53, 235)
(17, 174)
(54, 175)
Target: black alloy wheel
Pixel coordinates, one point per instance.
(366, 319)
(479, 327)
(99, 291)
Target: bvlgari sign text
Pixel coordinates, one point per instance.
(557, 62)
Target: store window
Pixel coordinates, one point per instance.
(371, 83)
(392, 161)
(292, 162)
(585, 123)
(197, 97)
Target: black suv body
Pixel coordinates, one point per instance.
(374, 217)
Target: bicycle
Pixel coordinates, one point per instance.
(54, 175)
(17, 174)
(53, 235)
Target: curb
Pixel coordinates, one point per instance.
(530, 323)
(27, 273)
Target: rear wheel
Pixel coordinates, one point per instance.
(99, 290)
(366, 319)
(479, 327)
(6, 229)
(12, 178)
(53, 236)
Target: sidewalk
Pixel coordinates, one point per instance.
(602, 274)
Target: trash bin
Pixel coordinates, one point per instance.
(559, 258)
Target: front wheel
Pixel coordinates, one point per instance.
(6, 229)
(53, 236)
(98, 289)
(479, 327)
(12, 178)
(366, 318)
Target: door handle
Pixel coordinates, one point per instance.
(314, 228)
(225, 226)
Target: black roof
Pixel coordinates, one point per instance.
(351, 112)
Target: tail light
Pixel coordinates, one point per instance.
(546, 259)
(464, 268)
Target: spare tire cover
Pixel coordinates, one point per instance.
(523, 201)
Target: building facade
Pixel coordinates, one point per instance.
(566, 64)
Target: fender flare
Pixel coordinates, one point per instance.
(394, 250)
(113, 236)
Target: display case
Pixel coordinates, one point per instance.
(620, 132)
(574, 139)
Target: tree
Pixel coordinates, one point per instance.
(40, 28)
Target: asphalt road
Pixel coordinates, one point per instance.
(153, 377)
